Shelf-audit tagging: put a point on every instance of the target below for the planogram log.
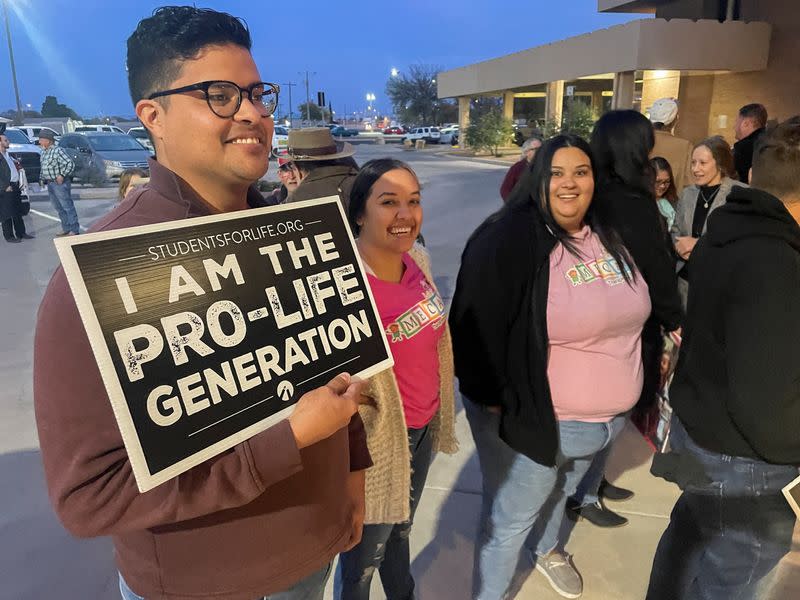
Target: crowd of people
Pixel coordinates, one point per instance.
(554, 335)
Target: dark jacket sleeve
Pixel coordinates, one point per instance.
(487, 291)
(5, 175)
(762, 329)
(636, 218)
(88, 472)
(360, 458)
(743, 159)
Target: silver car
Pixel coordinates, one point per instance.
(102, 155)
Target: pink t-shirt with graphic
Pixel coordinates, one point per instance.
(594, 322)
(413, 318)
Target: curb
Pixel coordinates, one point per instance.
(95, 194)
(482, 159)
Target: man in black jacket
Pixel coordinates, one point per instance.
(10, 202)
(750, 124)
(735, 441)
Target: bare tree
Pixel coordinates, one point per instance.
(414, 98)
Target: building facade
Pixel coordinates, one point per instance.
(713, 55)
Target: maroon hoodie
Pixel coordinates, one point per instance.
(249, 522)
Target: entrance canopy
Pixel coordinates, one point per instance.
(646, 44)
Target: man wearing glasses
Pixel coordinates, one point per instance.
(268, 516)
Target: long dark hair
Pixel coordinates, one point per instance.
(622, 141)
(535, 188)
(370, 172)
(659, 163)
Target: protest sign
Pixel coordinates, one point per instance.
(792, 494)
(208, 330)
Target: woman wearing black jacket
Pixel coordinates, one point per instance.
(502, 345)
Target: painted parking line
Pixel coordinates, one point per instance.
(51, 217)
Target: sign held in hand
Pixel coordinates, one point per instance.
(207, 331)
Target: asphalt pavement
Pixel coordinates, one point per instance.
(38, 559)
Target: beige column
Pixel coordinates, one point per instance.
(508, 105)
(623, 90)
(597, 102)
(554, 100)
(463, 119)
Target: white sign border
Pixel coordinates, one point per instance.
(790, 499)
(145, 480)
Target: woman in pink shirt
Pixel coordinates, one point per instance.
(547, 318)
(413, 413)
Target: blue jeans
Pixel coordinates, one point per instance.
(310, 588)
(588, 491)
(724, 536)
(385, 546)
(61, 199)
(519, 493)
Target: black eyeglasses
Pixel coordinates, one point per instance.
(224, 98)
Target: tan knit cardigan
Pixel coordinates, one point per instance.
(388, 481)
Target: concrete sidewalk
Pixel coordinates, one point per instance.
(615, 563)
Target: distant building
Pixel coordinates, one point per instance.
(713, 55)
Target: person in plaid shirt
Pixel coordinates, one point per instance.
(57, 170)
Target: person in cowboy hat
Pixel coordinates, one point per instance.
(325, 166)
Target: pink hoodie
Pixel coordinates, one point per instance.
(594, 322)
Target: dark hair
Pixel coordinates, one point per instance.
(363, 183)
(535, 187)
(757, 112)
(721, 151)
(659, 163)
(776, 160)
(622, 141)
(307, 166)
(172, 35)
(126, 177)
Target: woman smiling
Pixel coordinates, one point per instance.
(712, 171)
(547, 320)
(413, 412)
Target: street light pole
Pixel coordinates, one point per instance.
(20, 115)
(308, 99)
(289, 86)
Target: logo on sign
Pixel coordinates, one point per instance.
(285, 391)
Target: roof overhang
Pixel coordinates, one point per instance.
(646, 44)
(628, 6)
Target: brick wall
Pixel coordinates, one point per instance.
(704, 99)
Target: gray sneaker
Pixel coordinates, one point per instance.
(561, 573)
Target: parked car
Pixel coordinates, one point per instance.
(449, 135)
(102, 155)
(395, 130)
(339, 131)
(430, 134)
(280, 139)
(33, 131)
(140, 135)
(28, 154)
(88, 128)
